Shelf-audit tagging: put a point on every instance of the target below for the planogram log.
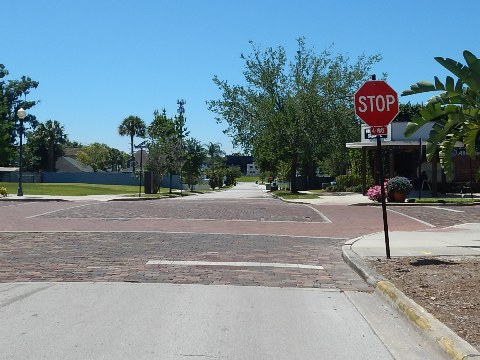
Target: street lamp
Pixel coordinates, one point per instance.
(140, 146)
(21, 114)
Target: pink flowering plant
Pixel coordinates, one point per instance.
(374, 193)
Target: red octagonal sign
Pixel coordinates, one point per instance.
(376, 103)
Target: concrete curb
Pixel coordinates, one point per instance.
(428, 326)
(29, 199)
(86, 198)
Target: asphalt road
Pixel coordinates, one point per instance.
(230, 275)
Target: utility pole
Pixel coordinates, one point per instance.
(181, 111)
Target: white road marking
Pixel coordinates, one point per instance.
(9, 205)
(161, 218)
(174, 232)
(233, 264)
(446, 209)
(327, 220)
(411, 217)
(54, 211)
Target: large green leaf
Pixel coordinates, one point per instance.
(420, 87)
(447, 98)
(445, 157)
(459, 86)
(450, 84)
(430, 112)
(412, 128)
(472, 61)
(474, 64)
(470, 140)
(431, 148)
(438, 84)
(455, 67)
(455, 111)
(472, 97)
(470, 76)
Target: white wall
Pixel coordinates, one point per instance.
(398, 129)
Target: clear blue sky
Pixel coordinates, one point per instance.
(99, 61)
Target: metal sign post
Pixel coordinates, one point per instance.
(140, 154)
(382, 189)
(376, 103)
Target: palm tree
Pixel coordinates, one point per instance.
(456, 111)
(215, 158)
(132, 126)
(215, 153)
(53, 135)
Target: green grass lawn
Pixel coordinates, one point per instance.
(288, 195)
(449, 200)
(78, 189)
(439, 200)
(69, 189)
(248, 179)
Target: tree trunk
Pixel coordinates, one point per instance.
(131, 150)
(51, 157)
(309, 175)
(293, 176)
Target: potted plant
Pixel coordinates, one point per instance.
(374, 193)
(398, 188)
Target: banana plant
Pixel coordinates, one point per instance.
(455, 110)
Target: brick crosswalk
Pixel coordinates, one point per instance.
(221, 241)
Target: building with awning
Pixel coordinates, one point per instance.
(406, 157)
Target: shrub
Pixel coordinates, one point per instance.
(400, 184)
(356, 188)
(334, 188)
(231, 174)
(374, 193)
(213, 182)
(3, 191)
(346, 181)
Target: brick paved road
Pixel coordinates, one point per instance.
(442, 215)
(263, 216)
(112, 241)
(123, 256)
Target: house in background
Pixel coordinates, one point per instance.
(406, 157)
(69, 163)
(241, 161)
(252, 170)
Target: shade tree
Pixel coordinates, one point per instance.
(13, 95)
(166, 137)
(95, 155)
(299, 111)
(45, 144)
(195, 155)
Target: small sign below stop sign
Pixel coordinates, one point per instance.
(376, 103)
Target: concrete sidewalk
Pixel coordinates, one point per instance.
(337, 199)
(460, 240)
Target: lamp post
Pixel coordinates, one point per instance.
(181, 110)
(140, 146)
(21, 114)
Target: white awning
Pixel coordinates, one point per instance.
(359, 145)
(8, 169)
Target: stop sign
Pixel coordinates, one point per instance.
(376, 103)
